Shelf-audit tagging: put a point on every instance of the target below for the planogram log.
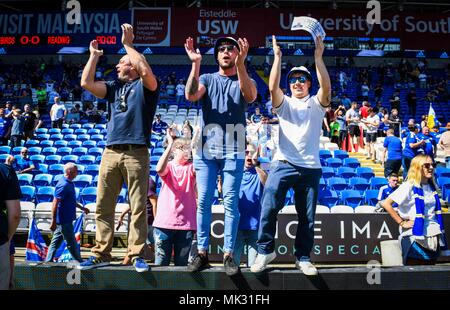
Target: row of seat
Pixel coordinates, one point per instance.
(56, 169)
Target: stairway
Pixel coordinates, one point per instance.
(377, 168)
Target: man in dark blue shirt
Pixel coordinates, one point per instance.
(132, 100)
(21, 164)
(224, 96)
(393, 146)
(64, 213)
(429, 148)
(386, 190)
(9, 219)
(159, 127)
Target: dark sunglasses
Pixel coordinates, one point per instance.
(300, 79)
(429, 166)
(224, 48)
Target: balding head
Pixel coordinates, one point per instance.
(70, 171)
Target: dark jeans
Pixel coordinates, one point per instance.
(406, 162)
(57, 124)
(392, 166)
(305, 182)
(16, 140)
(64, 232)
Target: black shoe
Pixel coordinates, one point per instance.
(199, 262)
(231, 268)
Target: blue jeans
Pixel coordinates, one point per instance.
(305, 182)
(206, 174)
(168, 239)
(406, 163)
(246, 238)
(64, 232)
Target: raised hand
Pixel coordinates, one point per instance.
(242, 54)
(319, 47)
(193, 54)
(127, 34)
(276, 47)
(93, 48)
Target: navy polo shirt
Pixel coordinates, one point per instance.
(9, 190)
(250, 195)
(132, 126)
(66, 210)
(160, 127)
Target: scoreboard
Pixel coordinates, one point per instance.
(30, 40)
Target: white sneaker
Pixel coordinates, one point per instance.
(261, 262)
(307, 268)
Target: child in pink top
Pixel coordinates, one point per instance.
(175, 221)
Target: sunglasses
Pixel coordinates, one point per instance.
(300, 79)
(429, 166)
(224, 48)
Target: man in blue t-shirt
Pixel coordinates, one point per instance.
(224, 96)
(132, 100)
(256, 117)
(393, 146)
(21, 164)
(386, 190)
(64, 213)
(250, 195)
(429, 148)
(159, 127)
(413, 146)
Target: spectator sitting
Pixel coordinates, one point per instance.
(386, 190)
(94, 116)
(21, 164)
(159, 127)
(76, 114)
(273, 116)
(175, 222)
(256, 117)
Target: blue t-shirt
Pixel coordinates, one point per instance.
(250, 195)
(256, 118)
(160, 127)
(66, 210)
(384, 192)
(132, 126)
(429, 144)
(18, 126)
(22, 163)
(394, 147)
(346, 102)
(223, 104)
(409, 152)
(4, 126)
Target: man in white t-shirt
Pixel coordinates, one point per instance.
(58, 113)
(372, 122)
(296, 163)
(180, 92)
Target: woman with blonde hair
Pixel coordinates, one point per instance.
(419, 214)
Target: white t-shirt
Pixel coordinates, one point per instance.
(365, 90)
(299, 131)
(403, 196)
(57, 111)
(373, 119)
(180, 89)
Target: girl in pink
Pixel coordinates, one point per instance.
(175, 221)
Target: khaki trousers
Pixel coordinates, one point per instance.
(131, 166)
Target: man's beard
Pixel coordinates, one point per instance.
(227, 66)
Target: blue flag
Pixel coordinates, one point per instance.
(36, 249)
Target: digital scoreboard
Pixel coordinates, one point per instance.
(30, 40)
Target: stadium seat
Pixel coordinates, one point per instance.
(364, 209)
(3, 157)
(46, 143)
(101, 144)
(56, 137)
(80, 131)
(5, 149)
(70, 137)
(82, 180)
(53, 131)
(34, 150)
(365, 172)
(320, 209)
(87, 126)
(83, 137)
(56, 169)
(37, 159)
(69, 159)
(28, 192)
(79, 151)
(122, 198)
(89, 144)
(26, 213)
(337, 184)
(16, 150)
(340, 154)
(328, 198)
(158, 151)
(444, 184)
(327, 172)
(74, 144)
(93, 131)
(442, 172)
(25, 179)
(40, 168)
(322, 184)
(352, 198)
(88, 195)
(56, 178)
(92, 170)
(31, 143)
(372, 197)
(86, 159)
(41, 131)
(333, 162)
(63, 151)
(359, 184)
(95, 151)
(43, 136)
(341, 209)
(97, 137)
(67, 131)
(45, 194)
(43, 179)
(377, 182)
(46, 151)
(60, 144)
(351, 162)
(52, 159)
(100, 126)
(346, 173)
(75, 126)
(95, 181)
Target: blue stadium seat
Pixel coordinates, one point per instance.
(92, 170)
(442, 172)
(56, 169)
(340, 154)
(89, 144)
(83, 137)
(95, 151)
(28, 192)
(80, 131)
(337, 184)
(37, 159)
(86, 160)
(63, 151)
(83, 180)
(101, 144)
(81, 168)
(88, 195)
(327, 172)
(371, 197)
(95, 181)
(322, 184)
(70, 137)
(52, 159)
(40, 131)
(56, 137)
(328, 198)
(60, 143)
(365, 172)
(43, 136)
(359, 184)
(75, 126)
(325, 154)
(53, 131)
(352, 198)
(158, 151)
(46, 143)
(56, 178)
(67, 131)
(43, 179)
(333, 162)
(74, 143)
(98, 159)
(16, 150)
(3, 157)
(444, 184)
(377, 182)
(25, 179)
(104, 132)
(97, 137)
(40, 168)
(351, 162)
(93, 131)
(50, 150)
(122, 198)
(69, 159)
(5, 149)
(45, 194)
(87, 126)
(100, 126)
(31, 143)
(34, 150)
(79, 151)
(346, 172)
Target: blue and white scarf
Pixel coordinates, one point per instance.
(418, 228)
